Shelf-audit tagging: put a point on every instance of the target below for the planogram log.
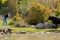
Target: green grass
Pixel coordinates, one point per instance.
(27, 29)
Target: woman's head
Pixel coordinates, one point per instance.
(9, 13)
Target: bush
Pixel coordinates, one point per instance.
(37, 13)
(19, 25)
(11, 23)
(14, 19)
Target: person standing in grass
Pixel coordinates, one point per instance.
(5, 24)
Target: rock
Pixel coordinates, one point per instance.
(17, 32)
(6, 31)
(9, 31)
(51, 25)
(20, 25)
(22, 32)
(46, 24)
(40, 25)
(0, 30)
(33, 26)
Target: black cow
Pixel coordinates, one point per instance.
(55, 20)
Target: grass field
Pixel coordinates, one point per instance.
(26, 29)
(37, 35)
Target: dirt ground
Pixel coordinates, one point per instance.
(31, 36)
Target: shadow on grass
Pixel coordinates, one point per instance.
(54, 30)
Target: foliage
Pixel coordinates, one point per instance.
(38, 13)
(37, 10)
(57, 13)
(57, 10)
(3, 1)
(4, 8)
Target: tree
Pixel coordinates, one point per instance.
(4, 7)
(3, 3)
(38, 13)
(58, 10)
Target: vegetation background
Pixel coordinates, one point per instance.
(29, 12)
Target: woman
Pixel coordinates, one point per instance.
(5, 21)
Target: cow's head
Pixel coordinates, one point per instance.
(52, 18)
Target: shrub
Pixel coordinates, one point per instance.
(37, 13)
(11, 23)
(19, 25)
